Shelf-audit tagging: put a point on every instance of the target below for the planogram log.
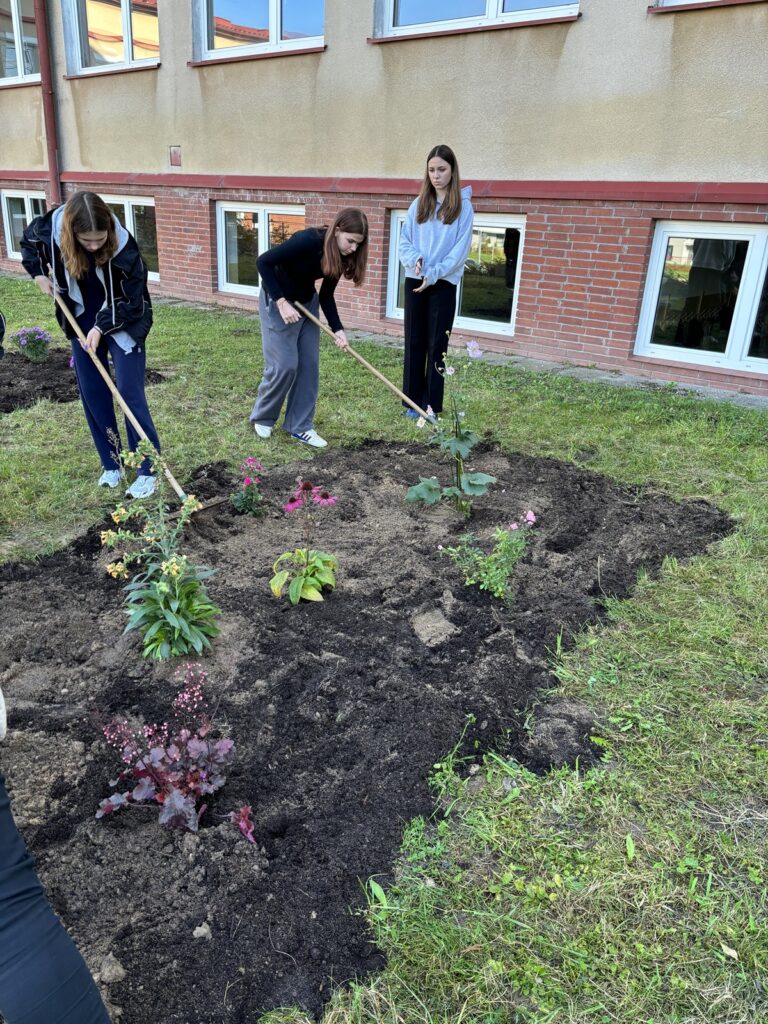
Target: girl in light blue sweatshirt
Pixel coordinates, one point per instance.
(434, 245)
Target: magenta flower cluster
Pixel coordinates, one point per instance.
(249, 468)
(306, 495)
(525, 520)
(33, 342)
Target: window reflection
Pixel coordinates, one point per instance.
(698, 293)
(241, 239)
(488, 285)
(30, 54)
(758, 348)
(302, 18)
(145, 35)
(418, 12)
(145, 233)
(283, 225)
(230, 25)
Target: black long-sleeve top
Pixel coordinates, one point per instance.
(289, 271)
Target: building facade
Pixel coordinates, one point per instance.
(618, 154)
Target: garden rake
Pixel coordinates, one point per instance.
(118, 397)
(371, 369)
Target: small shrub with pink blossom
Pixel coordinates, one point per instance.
(492, 571)
(177, 764)
(247, 499)
(33, 343)
(305, 572)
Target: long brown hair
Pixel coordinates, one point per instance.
(451, 207)
(353, 222)
(85, 212)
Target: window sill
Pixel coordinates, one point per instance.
(254, 56)
(376, 40)
(700, 5)
(122, 70)
(15, 83)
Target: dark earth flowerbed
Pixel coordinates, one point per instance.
(22, 383)
(339, 711)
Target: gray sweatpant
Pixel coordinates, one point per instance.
(291, 368)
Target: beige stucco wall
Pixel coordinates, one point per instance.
(21, 130)
(618, 95)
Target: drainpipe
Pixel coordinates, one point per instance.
(49, 102)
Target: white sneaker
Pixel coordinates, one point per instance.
(262, 430)
(3, 720)
(110, 478)
(142, 487)
(312, 438)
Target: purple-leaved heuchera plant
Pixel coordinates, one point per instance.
(176, 764)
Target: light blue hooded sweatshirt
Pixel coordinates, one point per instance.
(443, 248)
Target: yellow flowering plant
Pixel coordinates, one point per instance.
(166, 599)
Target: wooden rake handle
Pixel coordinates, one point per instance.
(364, 362)
(110, 384)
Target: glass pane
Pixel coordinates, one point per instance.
(144, 32)
(119, 211)
(241, 239)
(419, 12)
(145, 233)
(698, 293)
(283, 225)
(758, 348)
(101, 33)
(38, 206)
(527, 5)
(17, 219)
(29, 38)
(489, 274)
(8, 65)
(230, 25)
(302, 18)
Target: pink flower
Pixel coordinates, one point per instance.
(530, 517)
(321, 497)
(450, 370)
(514, 526)
(247, 482)
(250, 461)
(439, 547)
(291, 506)
(473, 350)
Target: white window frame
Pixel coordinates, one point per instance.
(14, 254)
(73, 36)
(462, 323)
(384, 18)
(130, 224)
(18, 43)
(735, 356)
(202, 51)
(263, 213)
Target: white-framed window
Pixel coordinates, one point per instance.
(230, 28)
(243, 231)
(706, 295)
(137, 214)
(407, 17)
(19, 53)
(486, 298)
(103, 35)
(19, 208)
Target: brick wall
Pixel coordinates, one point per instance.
(583, 267)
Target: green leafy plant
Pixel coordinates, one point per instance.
(491, 571)
(305, 572)
(456, 439)
(247, 500)
(33, 343)
(167, 599)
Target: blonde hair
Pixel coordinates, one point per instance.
(85, 212)
(353, 222)
(451, 207)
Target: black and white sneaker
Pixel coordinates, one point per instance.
(312, 438)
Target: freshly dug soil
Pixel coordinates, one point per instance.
(22, 383)
(339, 711)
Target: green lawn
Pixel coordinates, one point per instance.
(632, 893)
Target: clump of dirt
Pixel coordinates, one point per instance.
(22, 382)
(339, 710)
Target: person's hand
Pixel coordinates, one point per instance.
(341, 339)
(418, 265)
(92, 340)
(44, 284)
(287, 312)
(422, 287)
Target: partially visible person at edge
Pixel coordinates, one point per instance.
(291, 342)
(434, 245)
(102, 278)
(43, 978)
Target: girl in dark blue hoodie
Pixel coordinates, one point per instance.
(98, 270)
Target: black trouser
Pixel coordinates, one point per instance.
(428, 324)
(43, 978)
